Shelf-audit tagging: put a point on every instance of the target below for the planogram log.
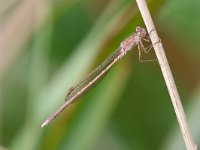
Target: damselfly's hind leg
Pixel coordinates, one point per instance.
(146, 50)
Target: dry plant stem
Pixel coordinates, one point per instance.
(167, 75)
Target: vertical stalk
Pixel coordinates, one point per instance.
(166, 71)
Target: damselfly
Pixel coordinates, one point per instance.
(97, 74)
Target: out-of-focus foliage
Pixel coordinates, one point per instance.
(48, 46)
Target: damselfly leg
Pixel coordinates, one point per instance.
(142, 48)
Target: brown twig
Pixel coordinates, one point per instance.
(166, 71)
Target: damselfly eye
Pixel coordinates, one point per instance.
(138, 29)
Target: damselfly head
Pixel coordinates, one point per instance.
(140, 31)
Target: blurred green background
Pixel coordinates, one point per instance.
(48, 46)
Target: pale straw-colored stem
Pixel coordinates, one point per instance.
(166, 71)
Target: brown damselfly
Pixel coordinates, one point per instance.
(97, 74)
